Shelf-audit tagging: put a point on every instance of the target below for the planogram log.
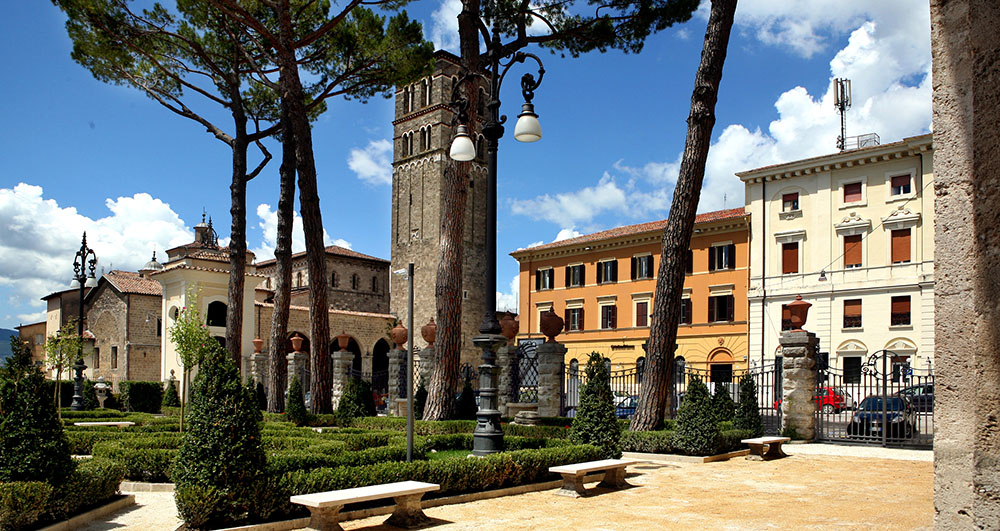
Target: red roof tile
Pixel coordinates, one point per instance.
(130, 282)
(334, 250)
(649, 226)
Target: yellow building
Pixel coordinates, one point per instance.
(602, 284)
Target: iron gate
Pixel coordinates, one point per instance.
(524, 380)
(766, 378)
(880, 401)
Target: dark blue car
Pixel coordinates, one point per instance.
(877, 414)
(626, 407)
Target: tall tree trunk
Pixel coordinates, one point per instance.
(441, 402)
(656, 393)
(278, 364)
(321, 381)
(238, 230)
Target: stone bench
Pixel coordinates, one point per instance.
(122, 424)
(324, 507)
(766, 448)
(572, 475)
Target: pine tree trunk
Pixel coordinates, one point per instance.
(441, 403)
(277, 362)
(656, 394)
(321, 380)
(238, 230)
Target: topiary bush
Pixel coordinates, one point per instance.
(145, 397)
(22, 502)
(419, 400)
(747, 413)
(357, 400)
(467, 408)
(723, 407)
(170, 396)
(295, 406)
(261, 395)
(595, 421)
(696, 431)
(94, 481)
(221, 459)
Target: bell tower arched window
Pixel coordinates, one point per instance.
(427, 93)
(216, 315)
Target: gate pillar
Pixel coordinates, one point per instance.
(798, 350)
(506, 360)
(550, 378)
(343, 360)
(397, 381)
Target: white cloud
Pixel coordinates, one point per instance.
(373, 164)
(509, 301)
(444, 25)
(41, 239)
(269, 226)
(571, 208)
(566, 234)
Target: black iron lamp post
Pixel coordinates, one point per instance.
(488, 437)
(83, 277)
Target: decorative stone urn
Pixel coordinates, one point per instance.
(798, 311)
(342, 340)
(296, 344)
(399, 335)
(429, 332)
(509, 326)
(258, 344)
(551, 325)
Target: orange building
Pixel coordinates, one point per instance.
(602, 284)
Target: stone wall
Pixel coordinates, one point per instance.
(125, 328)
(343, 295)
(145, 333)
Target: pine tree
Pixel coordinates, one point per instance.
(595, 421)
(697, 432)
(295, 406)
(723, 407)
(747, 412)
(357, 400)
(170, 396)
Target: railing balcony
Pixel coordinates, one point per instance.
(900, 319)
(852, 321)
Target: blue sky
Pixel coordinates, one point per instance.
(79, 154)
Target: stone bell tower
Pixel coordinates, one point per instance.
(421, 138)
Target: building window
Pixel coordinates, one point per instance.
(114, 357)
(268, 282)
(900, 246)
(575, 275)
(900, 310)
(642, 314)
(97, 358)
(900, 184)
(852, 313)
(789, 258)
(544, 279)
(852, 370)
(852, 192)
(355, 281)
(374, 284)
(852, 251)
(607, 271)
(298, 279)
(689, 262)
(609, 316)
(720, 308)
(790, 202)
(574, 319)
(685, 311)
(722, 257)
(642, 267)
(786, 318)
(216, 314)
(334, 279)
(427, 93)
(159, 327)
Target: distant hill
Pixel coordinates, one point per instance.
(5, 342)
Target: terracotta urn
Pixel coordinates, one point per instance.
(429, 332)
(296, 344)
(798, 311)
(258, 344)
(399, 335)
(509, 326)
(342, 340)
(551, 325)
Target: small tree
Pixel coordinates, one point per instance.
(295, 406)
(723, 407)
(192, 341)
(170, 396)
(61, 350)
(357, 400)
(221, 460)
(467, 407)
(33, 446)
(697, 432)
(747, 412)
(595, 421)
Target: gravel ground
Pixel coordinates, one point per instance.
(153, 511)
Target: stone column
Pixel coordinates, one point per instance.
(798, 349)
(342, 362)
(397, 360)
(506, 358)
(258, 362)
(297, 367)
(426, 367)
(550, 378)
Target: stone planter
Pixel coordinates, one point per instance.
(399, 334)
(509, 326)
(258, 344)
(296, 344)
(798, 311)
(551, 325)
(342, 340)
(429, 332)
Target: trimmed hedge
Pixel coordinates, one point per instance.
(22, 502)
(146, 397)
(139, 464)
(69, 416)
(653, 442)
(26, 504)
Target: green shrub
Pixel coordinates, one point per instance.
(747, 413)
(357, 400)
(221, 459)
(730, 440)
(69, 416)
(466, 408)
(595, 421)
(138, 464)
(22, 502)
(33, 446)
(146, 397)
(65, 393)
(92, 483)
(723, 407)
(281, 462)
(261, 396)
(419, 401)
(90, 401)
(696, 432)
(170, 396)
(295, 406)
(551, 432)
(653, 442)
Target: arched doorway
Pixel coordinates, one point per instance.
(720, 365)
(380, 372)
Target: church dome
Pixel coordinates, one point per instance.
(152, 265)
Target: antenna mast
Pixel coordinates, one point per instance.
(842, 101)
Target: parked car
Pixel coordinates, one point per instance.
(921, 396)
(892, 414)
(832, 399)
(626, 408)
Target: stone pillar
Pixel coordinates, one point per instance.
(297, 367)
(506, 358)
(366, 364)
(427, 355)
(342, 362)
(258, 362)
(798, 370)
(550, 378)
(397, 360)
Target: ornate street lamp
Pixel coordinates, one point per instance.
(488, 437)
(83, 277)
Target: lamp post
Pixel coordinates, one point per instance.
(83, 277)
(408, 273)
(488, 437)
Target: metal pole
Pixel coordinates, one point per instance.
(409, 369)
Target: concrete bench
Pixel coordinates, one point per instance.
(572, 475)
(766, 448)
(324, 507)
(118, 424)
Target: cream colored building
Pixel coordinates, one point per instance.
(853, 234)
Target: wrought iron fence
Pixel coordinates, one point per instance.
(524, 380)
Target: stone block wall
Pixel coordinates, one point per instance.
(798, 349)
